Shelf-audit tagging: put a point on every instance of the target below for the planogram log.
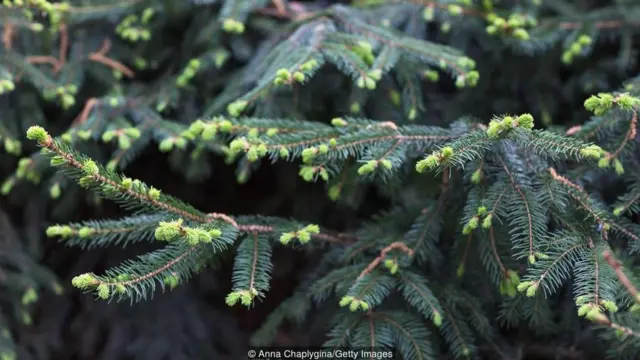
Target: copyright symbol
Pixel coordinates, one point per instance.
(252, 354)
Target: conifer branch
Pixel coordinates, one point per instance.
(255, 283)
(417, 293)
(383, 255)
(63, 48)
(630, 136)
(621, 276)
(496, 254)
(7, 35)
(527, 210)
(465, 255)
(152, 197)
(409, 331)
(100, 56)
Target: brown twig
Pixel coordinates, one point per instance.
(280, 6)
(294, 11)
(615, 264)
(43, 59)
(383, 253)
(630, 136)
(56, 63)
(84, 114)
(256, 228)
(574, 129)
(62, 50)
(112, 64)
(100, 57)
(7, 36)
(561, 179)
(106, 46)
(611, 24)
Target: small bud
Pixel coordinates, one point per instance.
(584, 40)
(617, 165)
(428, 14)
(232, 298)
(437, 319)
(283, 152)
(446, 151)
(412, 114)
(476, 177)
(521, 34)
(90, 167)
(38, 134)
(103, 291)
(338, 122)
(85, 232)
(154, 193)
(83, 281)
(525, 121)
(36, 27)
(455, 9)
(298, 76)
(7, 186)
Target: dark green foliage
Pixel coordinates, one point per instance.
(499, 221)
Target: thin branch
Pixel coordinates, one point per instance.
(383, 254)
(64, 47)
(617, 267)
(7, 35)
(101, 57)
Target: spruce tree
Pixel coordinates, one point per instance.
(500, 216)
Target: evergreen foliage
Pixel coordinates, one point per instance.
(495, 224)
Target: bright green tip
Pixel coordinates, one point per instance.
(37, 133)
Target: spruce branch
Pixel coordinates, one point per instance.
(534, 223)
(134, 279)
(552, 270)
(582, 198)
(186, 235)
(509, 279)
(407, 330)
(456, 332)
(276, 138)
(100, 56)
(252, 270)
(8, 34)
(336, 281)
(391, 264)
(624, 280)
(368, 291)
(64, 46)
(98, 233)
(598, 317)
(131, 193)
(418, 294)
(460, 271)
(602, 218)
(595, 282)
(59, 62)
(424, 233)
